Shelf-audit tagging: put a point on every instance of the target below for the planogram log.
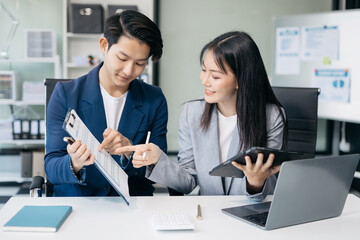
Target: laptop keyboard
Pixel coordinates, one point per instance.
(258, 218)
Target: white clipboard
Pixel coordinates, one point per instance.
(103, 160)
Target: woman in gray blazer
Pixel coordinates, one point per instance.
(239, 110)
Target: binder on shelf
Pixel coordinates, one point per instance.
(42, 129)
(25, 129)
(26, 164)
(16, 125)
(38, 163)
(34, 129)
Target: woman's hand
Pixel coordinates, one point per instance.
(114, 140)
(152, 155)
(257, 173)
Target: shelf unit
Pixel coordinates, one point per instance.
(21, 103)
(76, 44)
(54, 60)
(21, 142)
(14, 176)
(28, 143)
(30, 69)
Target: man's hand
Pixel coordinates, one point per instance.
(114, 140)
(80, 155)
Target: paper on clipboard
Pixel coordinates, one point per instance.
(103, 160)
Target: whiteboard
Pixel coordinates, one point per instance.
(348, 23)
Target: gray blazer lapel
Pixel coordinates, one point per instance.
(233, 150)
(212, 158)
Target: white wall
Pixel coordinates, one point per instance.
(187, 25)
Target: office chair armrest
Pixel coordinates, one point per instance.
(36, 186)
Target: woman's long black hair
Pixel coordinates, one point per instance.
(239, 51)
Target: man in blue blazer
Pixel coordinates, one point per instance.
(117, 108)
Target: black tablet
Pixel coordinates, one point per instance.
(226, 169)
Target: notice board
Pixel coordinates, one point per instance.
(321, 50)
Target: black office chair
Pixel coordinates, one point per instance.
(301, 106)
(40, 185)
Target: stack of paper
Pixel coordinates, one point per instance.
(33, 92)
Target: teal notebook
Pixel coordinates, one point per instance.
(38, 219)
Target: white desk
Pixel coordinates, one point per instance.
(111, 218)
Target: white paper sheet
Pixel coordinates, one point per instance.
(334, 84)
(319, 42)
(103, 160)
(287, 51)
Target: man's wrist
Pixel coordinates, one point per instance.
(75, 168)
(77, 174)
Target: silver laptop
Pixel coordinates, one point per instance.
(306, 190)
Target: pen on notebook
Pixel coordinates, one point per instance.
(146, 142)
(198, 216)
(69, 140)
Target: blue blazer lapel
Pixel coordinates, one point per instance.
(131, 116)
(91, 108)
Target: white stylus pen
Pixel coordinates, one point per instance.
(146, 142)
